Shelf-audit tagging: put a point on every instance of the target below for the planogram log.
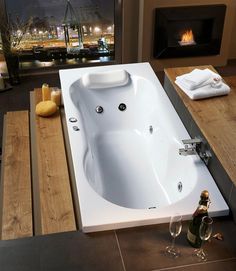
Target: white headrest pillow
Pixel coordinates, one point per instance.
(109, 79)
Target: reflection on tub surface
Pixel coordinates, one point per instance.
(126, 154)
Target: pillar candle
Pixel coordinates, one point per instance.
(46, 92)
(56, 96)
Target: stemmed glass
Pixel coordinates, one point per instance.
(205, 231)
(175, 228)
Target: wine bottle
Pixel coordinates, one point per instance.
(194, 225)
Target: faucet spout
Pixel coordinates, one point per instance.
(187, 151)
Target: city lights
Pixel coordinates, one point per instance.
(86, 35)
(97, 29)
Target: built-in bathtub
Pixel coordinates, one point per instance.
(125, 137)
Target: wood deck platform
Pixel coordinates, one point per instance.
(53, 205)
(36, 193)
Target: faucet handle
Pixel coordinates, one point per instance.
(192, 141)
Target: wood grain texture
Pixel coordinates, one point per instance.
(216, 118)
(16, 183)
(34, 168)
(55, 200)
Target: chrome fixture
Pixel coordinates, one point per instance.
(190, 146)
(72, 119)
(76, 128)
(122, 107)
(99, 109)
(205, 156)
(196, 146)
(150, 129)
(180, 186)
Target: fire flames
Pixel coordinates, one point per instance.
(187, 38)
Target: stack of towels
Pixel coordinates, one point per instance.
(200, 84)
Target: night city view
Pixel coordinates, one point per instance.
(59, 32)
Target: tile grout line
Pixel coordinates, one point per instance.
(194, 264)
(118, 244)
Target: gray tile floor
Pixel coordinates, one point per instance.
(134, 249)
(143, 248)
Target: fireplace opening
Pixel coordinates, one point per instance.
(188, 31)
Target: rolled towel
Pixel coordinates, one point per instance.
(205, 91)
(198, 78)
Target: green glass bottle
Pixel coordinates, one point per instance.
(194, 225)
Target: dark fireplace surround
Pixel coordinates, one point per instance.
(205, 22)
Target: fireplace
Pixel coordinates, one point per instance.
(188, 31)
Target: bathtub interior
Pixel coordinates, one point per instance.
(129, 153)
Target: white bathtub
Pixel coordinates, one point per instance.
(126, 163)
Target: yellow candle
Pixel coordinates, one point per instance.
(46, 92)
(56, 96)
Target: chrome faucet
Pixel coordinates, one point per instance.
(195, 146)
(190, 146)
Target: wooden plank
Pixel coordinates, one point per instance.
(216, 117)
(1, 179)
(34, 168)
(16, 182)
(55, 206)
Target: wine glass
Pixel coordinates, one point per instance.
(205, 231)
(175, 228)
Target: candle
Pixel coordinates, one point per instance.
(2, 85)
(56, 96)
(46, 92)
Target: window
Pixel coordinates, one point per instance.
(62, 32)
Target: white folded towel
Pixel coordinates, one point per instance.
(205, 91)
(200, 84)
(198, 78)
